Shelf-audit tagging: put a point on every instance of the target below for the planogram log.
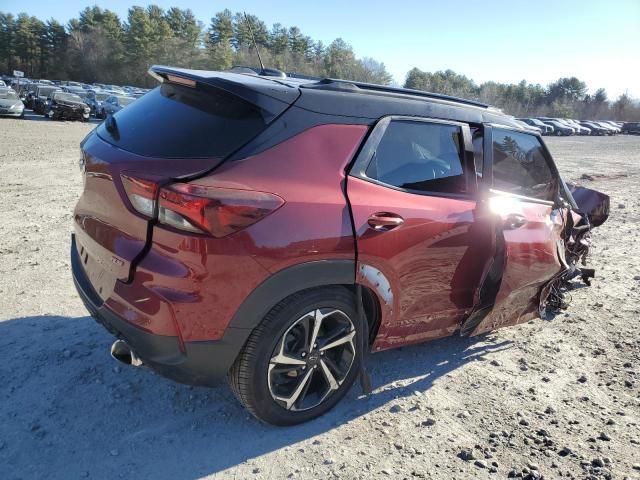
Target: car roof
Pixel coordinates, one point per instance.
(347, 98)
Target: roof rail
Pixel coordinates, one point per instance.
(302, 76)
(335, 84)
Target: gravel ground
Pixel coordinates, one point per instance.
(550, 399)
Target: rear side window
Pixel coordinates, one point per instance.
(174, 121)
(520, 165)
(420, 156)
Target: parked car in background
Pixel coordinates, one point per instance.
(275, 237)
(66, 106)
(38, 98)
(94, 99)
(113, 104)
(534, 122)
(615, 125)
(559, 129)
(69, 83)
(41, 101)
(631, 128)
(2, 84)
(561, 121)
(23, 88)
(10, 103)
(73, 89)
(115, 88)
(533, 128)
(595, 129)
(580, 129)
(138, 93)
(610, 130)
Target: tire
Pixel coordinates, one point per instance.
(255, 379)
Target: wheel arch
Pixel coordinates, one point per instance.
(286, 282)
(294, 279)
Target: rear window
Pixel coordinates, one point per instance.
(174, 121)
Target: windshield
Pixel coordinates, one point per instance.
(45, 91)
(69, 97)
(124, 101)
(10, 94)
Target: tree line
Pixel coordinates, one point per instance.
(565, 98)
(99, 46)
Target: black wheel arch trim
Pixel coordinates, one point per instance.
(288, 281)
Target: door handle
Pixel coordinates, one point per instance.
(514, 221)
(384, 221)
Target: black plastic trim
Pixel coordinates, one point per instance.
(289, 281)
(339, 84)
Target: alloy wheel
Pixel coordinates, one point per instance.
(312, 359)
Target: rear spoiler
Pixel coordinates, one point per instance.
(268, 94)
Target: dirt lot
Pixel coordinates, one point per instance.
(557, 398)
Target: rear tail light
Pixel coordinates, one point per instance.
(198, 208)
(141, 193)
(217, 211)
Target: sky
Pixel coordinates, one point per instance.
(501, 40)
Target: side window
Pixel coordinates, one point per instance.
(520, 166)
(419, 156)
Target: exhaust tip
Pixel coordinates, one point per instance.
(121, 351)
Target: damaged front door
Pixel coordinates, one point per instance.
(521, 186)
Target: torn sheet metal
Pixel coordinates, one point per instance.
(532, 266)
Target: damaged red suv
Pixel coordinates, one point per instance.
(274, 231)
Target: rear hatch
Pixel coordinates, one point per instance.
(185, 127)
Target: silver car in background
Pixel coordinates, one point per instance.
(10, 103)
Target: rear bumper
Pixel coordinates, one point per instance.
(203, 363)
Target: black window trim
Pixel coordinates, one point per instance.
(487, 171)
(365, 155)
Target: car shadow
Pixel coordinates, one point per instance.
(68, 410)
